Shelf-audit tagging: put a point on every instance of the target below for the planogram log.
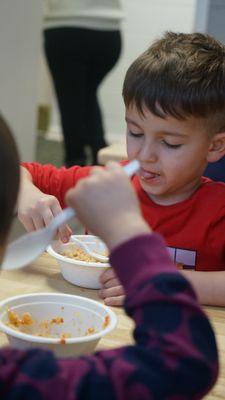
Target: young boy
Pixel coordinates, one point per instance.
(174, 95)
(173, 357)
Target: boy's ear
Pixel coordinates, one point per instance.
(217, 147)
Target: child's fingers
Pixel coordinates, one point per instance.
(28, 224)
(37, 219)
(111, 292)
(111, 283)
(107, 275)
(115, 301)
(47, 215)
(64, 233)
(38, 222)
(42, 214)
(55, 206)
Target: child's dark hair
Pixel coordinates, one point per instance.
(180, 75)
(9, 184)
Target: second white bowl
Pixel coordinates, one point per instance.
(84, 319)
(80, 273)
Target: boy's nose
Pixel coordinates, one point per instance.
(147, 153)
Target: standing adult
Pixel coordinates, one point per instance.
(82, 41)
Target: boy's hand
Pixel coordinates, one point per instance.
(112, 291)
(36, 209)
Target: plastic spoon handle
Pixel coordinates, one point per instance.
(64, 216)
(132, 167)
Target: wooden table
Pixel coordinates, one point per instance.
(44, 276)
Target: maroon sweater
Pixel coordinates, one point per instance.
(174, 356)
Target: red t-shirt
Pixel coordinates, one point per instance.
(194, 229)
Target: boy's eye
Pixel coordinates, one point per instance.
(136, 135)
(171, 146)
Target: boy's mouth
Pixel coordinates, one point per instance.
(148, 175)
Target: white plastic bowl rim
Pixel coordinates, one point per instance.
(54, 253)
(39, 339)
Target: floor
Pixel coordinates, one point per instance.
(49, 151)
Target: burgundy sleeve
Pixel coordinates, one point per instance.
(174, 355)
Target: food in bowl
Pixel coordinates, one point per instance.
(15, 321)
(77, 253)
(52, 319)
(28, 325)
(81, 273)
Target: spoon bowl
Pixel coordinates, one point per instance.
(98, 256)
(28, 247)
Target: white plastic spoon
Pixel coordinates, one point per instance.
(28, 247)
(86, 248)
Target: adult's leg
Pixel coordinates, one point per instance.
(63, 47)
(106, 47)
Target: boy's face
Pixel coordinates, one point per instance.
(172, 154)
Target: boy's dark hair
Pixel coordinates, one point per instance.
(9, 184)
(180, 75)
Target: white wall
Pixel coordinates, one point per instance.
(144, 21)
(20, 23)
(216, 19)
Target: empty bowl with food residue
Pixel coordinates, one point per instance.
(76, 266)
(69, 325)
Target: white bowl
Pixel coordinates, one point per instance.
(80, 273)
(78, 313)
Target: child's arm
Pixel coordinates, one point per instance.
(35, 208)
(209, 286)
(112, 292)
(174, 354)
